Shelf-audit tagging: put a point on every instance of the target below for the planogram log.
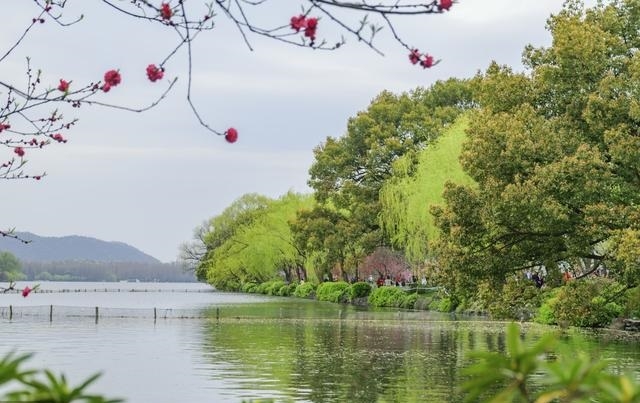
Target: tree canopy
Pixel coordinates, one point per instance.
(349, 171)
(10, 267)
(251, 241)
(555, 154)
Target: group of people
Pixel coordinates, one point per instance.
(398, 282)
(538, 278)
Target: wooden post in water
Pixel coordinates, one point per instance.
(217, 313)
(96, 314)
(10, 312)
(50, 313)
(155, 315)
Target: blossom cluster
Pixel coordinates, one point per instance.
(165, 11)
(425, 59)
(154, 73)
(309, 25)
(111, 79)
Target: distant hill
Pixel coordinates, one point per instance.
(72, 248)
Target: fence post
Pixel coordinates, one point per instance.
(217, 313)
(50, 313)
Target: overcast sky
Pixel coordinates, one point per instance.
(149, 179)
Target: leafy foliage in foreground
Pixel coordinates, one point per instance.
(28, 385)
(569, 377)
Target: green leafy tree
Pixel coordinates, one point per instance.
(406, 197)
(554, 152)
(251, 241)
(321, 233)
(348, 172)
(10, 267)
(222, 227)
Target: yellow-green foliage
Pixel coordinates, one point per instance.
(305, 290)
(587, 303)
(407, 197)
(332, 291)
(359, 290)
(392, 297)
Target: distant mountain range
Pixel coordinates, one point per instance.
(72, 248)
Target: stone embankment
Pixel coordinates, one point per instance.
(631, 325)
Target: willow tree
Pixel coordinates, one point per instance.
(251, 242)
(556, 155)
(413, 188)
(10, 267)
(210, 236)
(349, 171)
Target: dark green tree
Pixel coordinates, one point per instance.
(555, 153)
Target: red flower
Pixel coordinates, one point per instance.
(445, 5)
(154, 73)
(58, 137)
(310, 30)
(4, 127)
(105, 87)
(19, 151)
(63, 86)
(414, 56)
(298, 22)
(37, 177)
(112, 78)
(26, 291)
(427, 61)
(231, 135)
(165, 11)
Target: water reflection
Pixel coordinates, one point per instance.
(346, 360)
(325, 353)
(287, 349)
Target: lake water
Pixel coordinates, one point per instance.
(205, 346)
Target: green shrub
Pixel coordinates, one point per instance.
(305, 290)
(519, 299)
(387, 296)
(422, 302)
(283, 291)
(444, 304)
(271, 287)
(359, 290)
(249, 287)
(274, 287)
(332, 291)
(587, 303)
(291, 288)
(632, 303)
(287, 290)
(409, 301)
(545, 314)
(262, 287)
